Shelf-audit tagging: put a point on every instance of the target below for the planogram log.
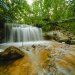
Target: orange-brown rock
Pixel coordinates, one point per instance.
(58, 59)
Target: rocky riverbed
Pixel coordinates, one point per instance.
(52, 59)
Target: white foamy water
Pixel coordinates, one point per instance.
(19, 44)
(25, 34)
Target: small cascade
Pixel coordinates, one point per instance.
(24, 33)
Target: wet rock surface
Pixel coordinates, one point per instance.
(60, 37)
(53, 59)
(10, 53)
(56, 35)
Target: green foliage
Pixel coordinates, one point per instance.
(68, 26)
(44, 13)
(14, 10)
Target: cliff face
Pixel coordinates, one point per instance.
(56, 59)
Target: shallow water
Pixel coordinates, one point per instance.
(43, 58)
(19, 44)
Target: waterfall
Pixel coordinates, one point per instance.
(25, 33)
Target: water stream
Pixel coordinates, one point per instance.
(24, 35)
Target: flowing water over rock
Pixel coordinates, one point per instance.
(24, 33)
(41, 57)
(51, 59)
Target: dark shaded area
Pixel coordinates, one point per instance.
(2, 30)
(10, 54)
(39, 25)
(68, 41)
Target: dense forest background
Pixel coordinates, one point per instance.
(47, 14)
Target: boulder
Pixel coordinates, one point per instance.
(55, 35)
(11, 53)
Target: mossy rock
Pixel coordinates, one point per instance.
(11, 53)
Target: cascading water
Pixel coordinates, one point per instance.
(25, 33)
(53, 59)
(21, 34)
